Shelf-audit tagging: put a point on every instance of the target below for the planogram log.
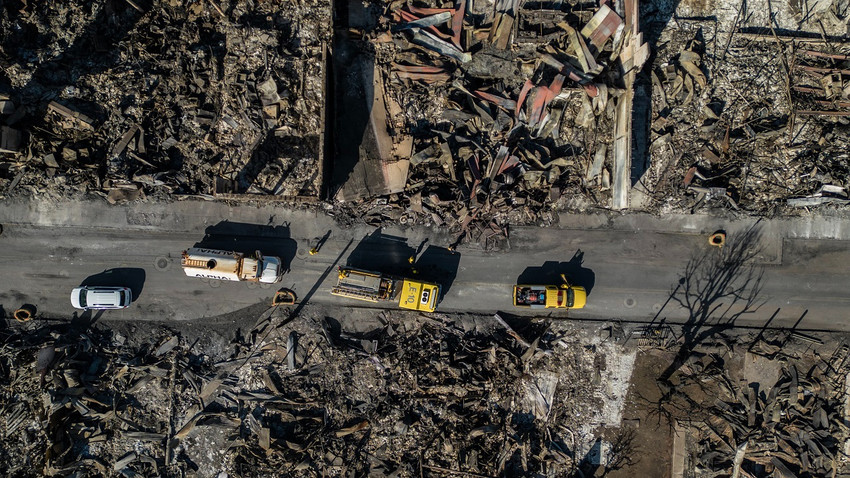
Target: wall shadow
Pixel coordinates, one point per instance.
(353, 85)
(267, 159)
(381, 252)
(132, 277)
(654, 18)
(550, 273)
(247, 238)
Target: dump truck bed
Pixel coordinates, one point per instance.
(363, 285)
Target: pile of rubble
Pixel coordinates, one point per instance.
(795, 424)
(506, 111)
(749, 119)
(468, 115)
(510, 110)
(423, 397)
(763, 406)
(163, 98)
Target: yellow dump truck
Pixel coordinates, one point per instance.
(563, 296)
(377, 287)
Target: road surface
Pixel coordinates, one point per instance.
(631, 268)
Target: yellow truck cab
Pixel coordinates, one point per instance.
(416, 295)
(563, 296)
(374, 287)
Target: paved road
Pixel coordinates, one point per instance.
(799, 267)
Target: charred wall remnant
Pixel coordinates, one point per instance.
(483, 114)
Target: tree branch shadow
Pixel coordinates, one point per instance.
(716, 289)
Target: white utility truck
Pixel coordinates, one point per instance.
(232, 266)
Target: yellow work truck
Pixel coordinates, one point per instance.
(377, 287)
(562, 296)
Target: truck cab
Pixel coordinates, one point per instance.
(416, 295)
(272, 269)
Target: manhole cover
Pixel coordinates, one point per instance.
(252, 285)
(656, 307)
(301, 253)
(265, 286)
(162, 263)
(630, 302)
(215, 283)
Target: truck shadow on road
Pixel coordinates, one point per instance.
(246, 238)
(438, 265)
(550, 273)
(381, 252)
(132, 277)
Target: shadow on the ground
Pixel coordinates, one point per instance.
(381, 252)
(392, 255)
(717, 287)
(438, 265)
(550, 273)
(85, 319)
(132, 277)
(271, 240)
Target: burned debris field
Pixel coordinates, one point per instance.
(128, 100)
(402, 395)
(303, 398)
(469, 116)
(452, 121)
